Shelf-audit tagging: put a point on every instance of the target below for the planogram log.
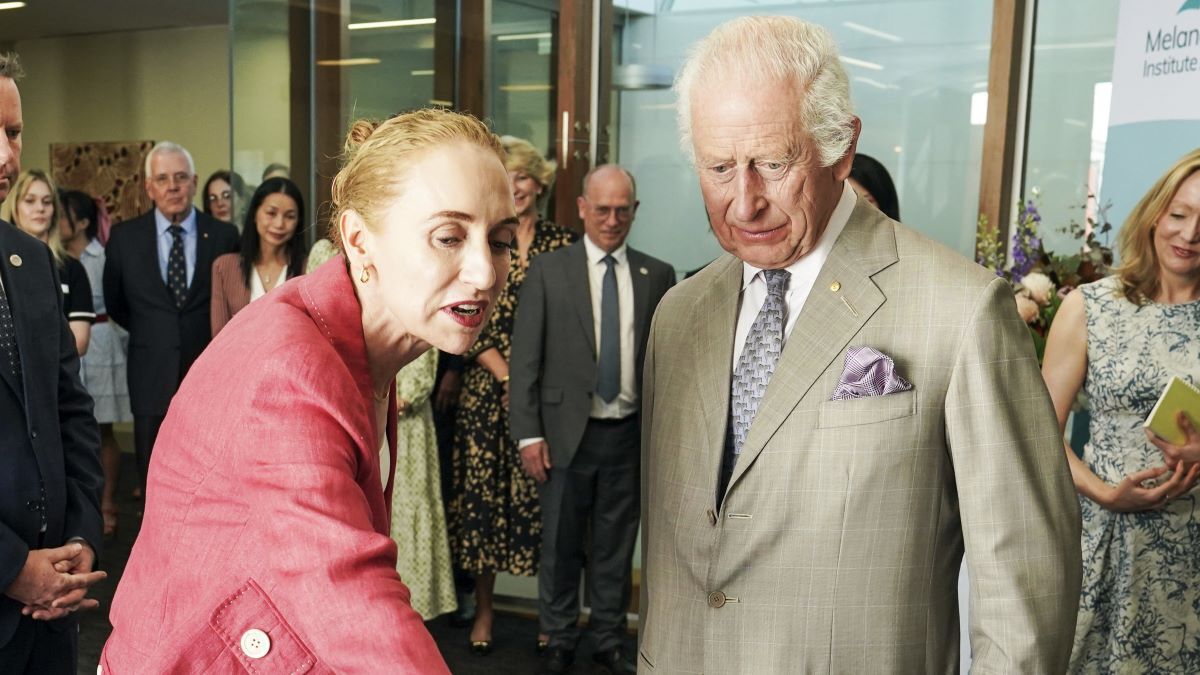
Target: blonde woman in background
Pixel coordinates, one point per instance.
(33, 206)
(1121, 339)
(418, 520)
(495, 522)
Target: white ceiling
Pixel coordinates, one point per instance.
(54, 18)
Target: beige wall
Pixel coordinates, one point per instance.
(148, 85)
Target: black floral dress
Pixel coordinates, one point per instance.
(494, 521)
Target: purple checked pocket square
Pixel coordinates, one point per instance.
(868, 372)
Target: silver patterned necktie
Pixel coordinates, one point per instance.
(760, 355)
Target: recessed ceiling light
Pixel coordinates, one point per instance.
(348, 62)
(11, 5)
(874, 32)
(523, 36)
(419, 73)
(399, 23)
(860, 63)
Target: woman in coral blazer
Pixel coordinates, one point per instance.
(265, 543)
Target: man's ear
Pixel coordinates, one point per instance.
(841, 169)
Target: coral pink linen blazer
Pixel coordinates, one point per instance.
(265, 543)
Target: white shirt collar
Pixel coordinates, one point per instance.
(815, 259)
(595, 254)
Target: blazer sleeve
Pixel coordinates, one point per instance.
(1019, 510)
(80, 437)
(220, 306)
(115, 301)
(333, 572)
(525, 359)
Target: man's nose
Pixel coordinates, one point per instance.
(749, 200)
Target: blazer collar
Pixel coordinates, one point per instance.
(329, 297)
(843, 299)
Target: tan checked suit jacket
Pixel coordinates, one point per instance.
(837, 546)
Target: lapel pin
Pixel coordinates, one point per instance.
(835, 286)
(15, 260)
(644, 271)
(205, 235)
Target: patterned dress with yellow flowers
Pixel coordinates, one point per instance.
(495, 523)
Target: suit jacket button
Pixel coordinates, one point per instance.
(255, 643)
(716, 599)
(33, 434)
(712, 517)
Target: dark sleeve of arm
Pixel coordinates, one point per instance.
(114, 282)
(79, 300)
(525, 361)
(80, 442)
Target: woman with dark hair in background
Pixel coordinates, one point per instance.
(103, 368)
(873, 183)
(271, 252)
(223, 196)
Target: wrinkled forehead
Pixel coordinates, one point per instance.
(746, 115)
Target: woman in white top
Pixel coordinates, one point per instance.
(271, 252)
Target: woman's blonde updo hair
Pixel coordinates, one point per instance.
(378, 154)
(521, 155)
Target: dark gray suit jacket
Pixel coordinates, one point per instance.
(553, 362)
(49, 441)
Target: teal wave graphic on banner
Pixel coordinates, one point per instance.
(1190, 4)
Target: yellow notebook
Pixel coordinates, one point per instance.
(1177, 395)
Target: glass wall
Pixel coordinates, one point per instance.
(915, 66)
(523, 53)
(1070, 89)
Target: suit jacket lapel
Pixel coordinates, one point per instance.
(714, 356)
(9, 275)
(149, 251)
(827, 323)
(581, 291)
(641, 298)
(202, 275)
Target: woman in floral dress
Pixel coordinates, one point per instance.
(1122, 339)
(495, 523)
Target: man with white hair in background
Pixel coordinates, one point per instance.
(158, 286)
(836, 410)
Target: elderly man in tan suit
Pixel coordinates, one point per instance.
(836, 410)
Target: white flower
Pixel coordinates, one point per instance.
(1040, 287)
(1027, 308)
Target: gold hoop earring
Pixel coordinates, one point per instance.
(365, 276)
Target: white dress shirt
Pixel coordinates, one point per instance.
(804, 275)
(626, 402)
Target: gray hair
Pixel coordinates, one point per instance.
(10, 66)
(778, 48)
(168, 147)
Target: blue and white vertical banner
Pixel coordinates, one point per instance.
(1154, 117)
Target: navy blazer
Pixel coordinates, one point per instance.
(49, 440)
(164, 341)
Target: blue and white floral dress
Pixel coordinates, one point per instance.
(1140, 607)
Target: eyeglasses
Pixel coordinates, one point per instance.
(165, 179)
(623, 212)
(223, 196)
